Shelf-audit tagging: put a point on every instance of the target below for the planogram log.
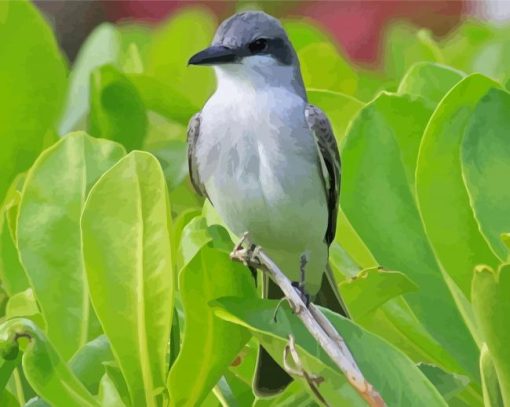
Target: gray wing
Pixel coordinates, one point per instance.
(330, 163)
(193, 134)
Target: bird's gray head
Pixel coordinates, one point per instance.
(252, 46)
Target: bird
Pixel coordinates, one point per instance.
(268, 162)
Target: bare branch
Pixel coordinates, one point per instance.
(315, 322)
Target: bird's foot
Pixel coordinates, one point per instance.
(299, 286)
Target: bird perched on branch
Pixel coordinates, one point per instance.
(268, 161)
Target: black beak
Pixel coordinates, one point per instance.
(213, 55)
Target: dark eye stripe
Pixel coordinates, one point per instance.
(257, 45)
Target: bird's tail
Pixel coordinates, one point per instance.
(270, 378)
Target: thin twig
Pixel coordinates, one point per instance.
(315, 322)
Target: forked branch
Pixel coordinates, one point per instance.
(313, 319)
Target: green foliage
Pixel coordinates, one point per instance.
(116, 288)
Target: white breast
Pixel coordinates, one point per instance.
(258, 161)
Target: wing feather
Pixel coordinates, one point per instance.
(330, 163)
(193, 134)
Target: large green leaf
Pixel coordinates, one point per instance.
(126, 246)
(101, 47)
(210, 344)
(443, 200)
(186, 33)
(371, 288)
(379, 159)
(339, 108)
(429, 80)
(492, 307)
(117, 110)
(397, 379)
(33, 78)
(44, 369)
(49, 238)
(486, 163)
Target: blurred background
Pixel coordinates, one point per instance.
(358, 26)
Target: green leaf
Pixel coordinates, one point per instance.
(87, 363)
(429, 80)
(379, 159)
(371, 288)
(117, 110)
(490, 383)
(187, 32)
(485, 163)
(323, 67)
(210, 344)
(449, 221)
(448, 384)
(101, 47)
(12, 274)
(162, 99)
(49, 238)
(492, 307)
(44, 369)
(126, 244)
(397, 379)
(194, 236)
(339, 108)
(33, 78)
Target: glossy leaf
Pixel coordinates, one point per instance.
(492, 307)
(449, 221)
(209, 344)
(485, 161)
(45, 370)
(429, 80)
(33, 78)
(379, 159)
(173, 157)
(399, 382)
(127, 252)
(101, 47)
(49, 238)
(117, 111)
(373, 287)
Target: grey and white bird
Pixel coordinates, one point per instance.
(268, 160)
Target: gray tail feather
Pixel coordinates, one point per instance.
(270, 378)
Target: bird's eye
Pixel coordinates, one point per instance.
(258, 45)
